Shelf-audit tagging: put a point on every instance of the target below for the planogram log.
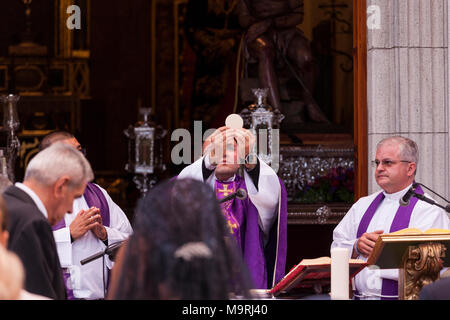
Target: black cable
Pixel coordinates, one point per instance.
(103, 274)
(432, 191)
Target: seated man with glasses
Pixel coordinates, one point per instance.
(395, 169)
(96, 222)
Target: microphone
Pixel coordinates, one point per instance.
(92, 258)
(240, 193)
(404, 201)
(110, 251)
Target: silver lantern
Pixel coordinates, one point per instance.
(264, 123)
(145, 157)
(10, 125)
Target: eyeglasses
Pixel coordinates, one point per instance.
(387, 163)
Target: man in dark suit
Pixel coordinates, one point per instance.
(53, 179)
(439, 290)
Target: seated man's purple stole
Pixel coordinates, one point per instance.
(94, 198)
(265, 263)
(401, 221)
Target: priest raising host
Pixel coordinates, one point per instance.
(258, 222)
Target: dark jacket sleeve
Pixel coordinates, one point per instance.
(425, 293)
(37, 250)
(438, 290)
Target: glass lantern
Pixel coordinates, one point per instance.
(264, 123)
(145, 157)
(10, 125)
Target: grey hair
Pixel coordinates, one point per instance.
(408, 148)
(56, 161)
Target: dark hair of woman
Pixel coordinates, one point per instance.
(180, 248)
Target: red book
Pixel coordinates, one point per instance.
(310, 272)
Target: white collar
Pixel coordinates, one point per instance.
(396, 195)
(228, 180)
(33, 196)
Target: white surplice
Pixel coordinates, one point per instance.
(265, 198)
(87, 280)
(424, 216)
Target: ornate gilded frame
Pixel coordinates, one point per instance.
(360, 97)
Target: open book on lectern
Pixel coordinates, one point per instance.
(310, 272)
(390, 248)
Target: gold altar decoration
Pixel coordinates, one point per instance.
(421, 266)
(420, 256)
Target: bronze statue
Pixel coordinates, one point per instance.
(214, 34)
(272, 35)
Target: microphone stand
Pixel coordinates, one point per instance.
(109, 250)
(430, 201)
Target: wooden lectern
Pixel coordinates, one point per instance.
(420, 256)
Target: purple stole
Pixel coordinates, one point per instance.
(94, 198)
(224, 189)
(243, 220)
(401, 221)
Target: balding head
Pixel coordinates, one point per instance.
(396, 163)
(57, 160)
(53, 137)
(58, 175)
(408, 149)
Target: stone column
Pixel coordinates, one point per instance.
(407, 84)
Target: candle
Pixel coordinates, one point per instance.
(339, 274)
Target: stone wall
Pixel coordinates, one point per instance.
(407, 84)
